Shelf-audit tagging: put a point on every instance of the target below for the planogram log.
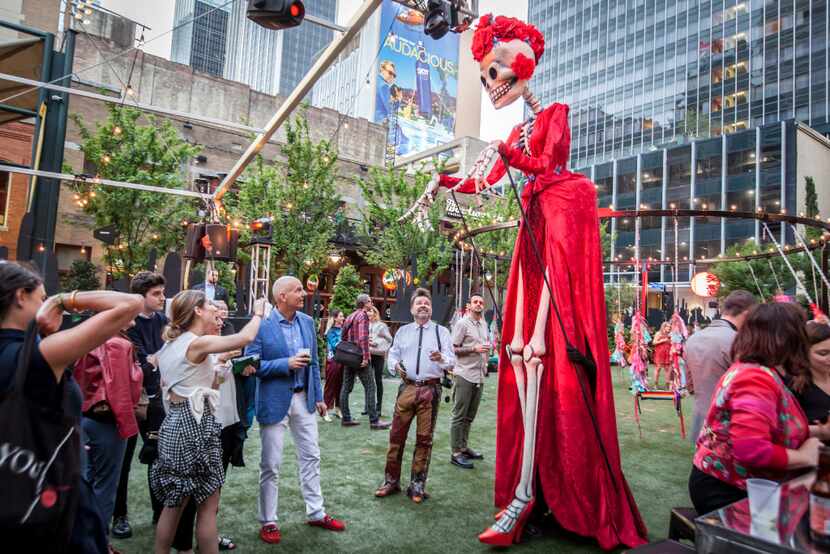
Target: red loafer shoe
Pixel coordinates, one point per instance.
(329, 523)
(270, 533)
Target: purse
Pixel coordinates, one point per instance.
(348, 353)
(141, 407)
(40, 464)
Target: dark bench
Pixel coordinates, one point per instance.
(682, 524)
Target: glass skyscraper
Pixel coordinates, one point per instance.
(225, 43)
(201, 44)
(640, 74)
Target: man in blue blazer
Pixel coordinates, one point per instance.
(288, 395)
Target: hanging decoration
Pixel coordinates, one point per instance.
(389, 280)
(705, 284)
(618, 356)
(312, 282)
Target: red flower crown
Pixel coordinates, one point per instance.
(492, 30)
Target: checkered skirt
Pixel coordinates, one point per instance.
(189, 457)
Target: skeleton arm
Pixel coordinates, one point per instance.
(474, 183)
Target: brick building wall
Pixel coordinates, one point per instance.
(15, 148)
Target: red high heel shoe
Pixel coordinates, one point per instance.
(497, 538)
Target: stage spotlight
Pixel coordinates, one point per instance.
(436, 24)
(276, 14)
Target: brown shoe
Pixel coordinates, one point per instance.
(387, 489)
(349, 423)
(381, 424)
(417, 492)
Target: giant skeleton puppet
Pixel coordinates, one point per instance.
(556, 445)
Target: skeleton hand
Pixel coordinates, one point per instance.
(421, 206)
(481, 166)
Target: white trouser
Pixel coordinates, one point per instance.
(303, 427)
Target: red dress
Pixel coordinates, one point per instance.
(662, 353)
(582, 494)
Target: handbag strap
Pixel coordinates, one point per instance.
(25, 356)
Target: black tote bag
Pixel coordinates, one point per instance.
(39, 465)
(348, 353)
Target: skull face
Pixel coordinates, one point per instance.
(498, 73)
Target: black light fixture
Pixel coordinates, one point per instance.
(276, 14)
(436, 24)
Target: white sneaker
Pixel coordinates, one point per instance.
(327, 418)
(337, 413)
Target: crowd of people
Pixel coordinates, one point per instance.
(178, 374)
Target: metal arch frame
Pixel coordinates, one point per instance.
(605, 213)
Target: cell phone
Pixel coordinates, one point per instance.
(239, 364)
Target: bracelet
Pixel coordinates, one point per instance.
(61, 305)
(73, 307)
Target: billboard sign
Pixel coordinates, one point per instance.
(416, 81)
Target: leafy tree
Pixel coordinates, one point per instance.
(125, 147)
(811, 207)
(392, 244)
(300, 195)
(771, 273)
(347, 286)
(82, 275)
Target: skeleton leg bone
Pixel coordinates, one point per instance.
(519, 508)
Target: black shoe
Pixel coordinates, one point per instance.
(349, 423)
(472, 454)
(364, 412)
(121, 528)
(461, 461)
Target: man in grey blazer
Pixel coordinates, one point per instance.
(288, 395)
(709, 352)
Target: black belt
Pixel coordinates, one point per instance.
(422, 382)
(298, 389)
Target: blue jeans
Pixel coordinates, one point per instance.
(101, 466)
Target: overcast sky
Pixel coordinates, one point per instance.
(494, 124)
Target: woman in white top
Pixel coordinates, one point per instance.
(189, 464)
(380, 340)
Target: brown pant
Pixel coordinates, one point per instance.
(420, 403)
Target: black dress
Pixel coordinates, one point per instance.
(815, 403)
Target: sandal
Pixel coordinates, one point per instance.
(225, 543)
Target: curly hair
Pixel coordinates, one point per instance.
(144, 281)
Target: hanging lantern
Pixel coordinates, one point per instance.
(705, 284)
(312, 282)
(389, 280)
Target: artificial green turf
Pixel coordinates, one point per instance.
(656, 466)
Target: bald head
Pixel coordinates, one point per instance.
(289, 295)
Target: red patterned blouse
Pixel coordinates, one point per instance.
(752, 421)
